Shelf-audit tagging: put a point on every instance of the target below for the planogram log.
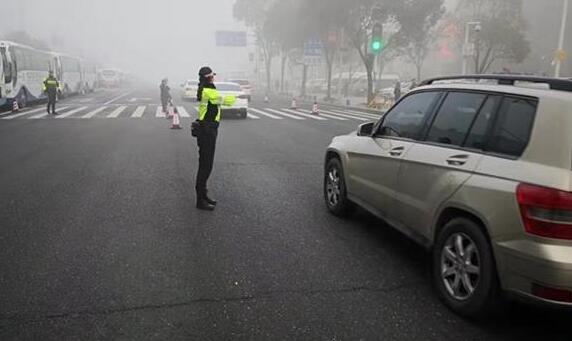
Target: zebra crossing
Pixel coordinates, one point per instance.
(105, 111)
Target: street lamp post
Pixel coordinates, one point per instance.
(466, 52)
(561, 38)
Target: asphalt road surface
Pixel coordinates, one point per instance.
(99, 237)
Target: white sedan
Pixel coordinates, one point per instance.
(190, 90)
(240, 106)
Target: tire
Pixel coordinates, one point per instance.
(335, 192)
(477, 269)
(243, 114)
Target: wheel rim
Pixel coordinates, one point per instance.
(333, 190)
(460, 266)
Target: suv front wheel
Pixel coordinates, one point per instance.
(335, 192)
(464, 271)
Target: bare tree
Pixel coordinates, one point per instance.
(503, 31)
(419, 32)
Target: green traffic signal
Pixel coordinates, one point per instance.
(377, 43)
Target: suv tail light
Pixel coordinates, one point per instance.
(545, 212)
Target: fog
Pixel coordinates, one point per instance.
(173, 38)
(151, 39)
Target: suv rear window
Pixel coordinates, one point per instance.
(513, 126)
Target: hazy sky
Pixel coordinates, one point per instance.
(152, 38)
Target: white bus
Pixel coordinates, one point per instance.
(68, 73)
(22, 72)
(88, 76)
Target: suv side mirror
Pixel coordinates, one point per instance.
(366, 129)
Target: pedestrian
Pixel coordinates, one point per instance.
(397, 91)
(206, 132)
(50, 87)
(165, 94)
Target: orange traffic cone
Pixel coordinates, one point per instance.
(176, 124)
(15, 107)
(294, 106)
(315, 109)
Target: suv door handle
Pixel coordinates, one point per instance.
(397, 151)
(458, 160)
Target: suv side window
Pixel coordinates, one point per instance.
(455, 117)
(513, 126)
(478, 137)
(407, 118)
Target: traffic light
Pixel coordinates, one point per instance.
(377, 43)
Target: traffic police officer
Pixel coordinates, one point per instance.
(50, 87)
(207, 132)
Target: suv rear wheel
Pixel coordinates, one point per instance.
(335, 189)
(464, 271)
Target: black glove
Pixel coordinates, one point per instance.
(195, 126)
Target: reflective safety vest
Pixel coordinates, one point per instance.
(211, 98)
(50, 83)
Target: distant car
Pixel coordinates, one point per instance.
(109, 78)
(480, 174)
(190, 90)
(245, 85)
(240, 107)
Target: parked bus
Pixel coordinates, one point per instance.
(22, 71)
(88, 76)
(68, 73)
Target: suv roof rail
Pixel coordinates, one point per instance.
(553, 83)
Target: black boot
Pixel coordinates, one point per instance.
(211, 201)
(203, 204)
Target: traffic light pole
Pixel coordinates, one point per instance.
(561, 38)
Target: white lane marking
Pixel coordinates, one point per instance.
(285, 114)
(85, 100)
(357, 113)
(317, 118)
(321, 114)
(71, 112)
(249, 115)
(183, 112)
(94, 112)
(160, 112)
(138, 113)
(265, 114)
(12, 116)
(35, 117)
(117, 112)
(116, 98)
(346, 115)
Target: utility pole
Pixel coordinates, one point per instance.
(561, 38)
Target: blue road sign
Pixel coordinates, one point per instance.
(231, 38)
(313, 48)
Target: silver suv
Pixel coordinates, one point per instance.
(479, 170)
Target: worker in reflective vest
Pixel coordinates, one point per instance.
(50, 88)
(209, 118)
